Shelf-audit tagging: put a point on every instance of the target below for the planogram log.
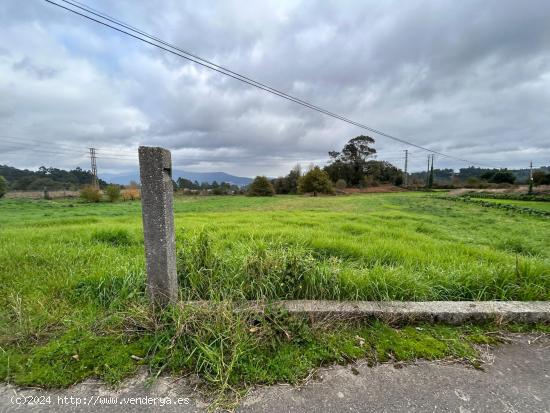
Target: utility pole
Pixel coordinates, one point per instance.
(428, 173)
(431, 177)
(94, 168)
(530, 177)
(406, 175)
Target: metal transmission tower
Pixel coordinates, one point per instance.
(406, 161)
(93, 161)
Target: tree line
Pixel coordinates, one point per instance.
(51, 178)
(474, 175)
(353, 167)
(350, 167)
(214, 188)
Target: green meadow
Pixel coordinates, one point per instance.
(73, 304)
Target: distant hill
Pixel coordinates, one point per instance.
(200, 177)
(54, 178)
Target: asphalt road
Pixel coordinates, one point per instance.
(516, 378)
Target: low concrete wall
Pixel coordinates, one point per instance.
(450, 312)
(53, 194)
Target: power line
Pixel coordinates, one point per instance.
(65, 153)
(36, 143)
(220, 69)
(23, 143)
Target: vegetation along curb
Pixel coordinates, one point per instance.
(523, 210)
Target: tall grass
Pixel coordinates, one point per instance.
(72, 282)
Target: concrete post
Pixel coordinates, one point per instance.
(155, 167)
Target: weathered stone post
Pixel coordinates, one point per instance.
(155, 166)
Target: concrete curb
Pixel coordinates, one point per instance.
(450, 312)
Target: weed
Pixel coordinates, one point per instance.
(115, 237)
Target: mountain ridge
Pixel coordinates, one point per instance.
(125, 178)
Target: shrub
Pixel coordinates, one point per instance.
(261, 187)
(398, 181)
(90, 194)
(472, 182)
(3, 186)
(316, 181)
(130, 194)
(368, 181)
(541, 178)
(340, 184)
(113, 192)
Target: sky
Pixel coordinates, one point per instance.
(466, 78)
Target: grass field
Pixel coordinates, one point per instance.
(72, 300)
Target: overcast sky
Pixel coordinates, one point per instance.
(468, 78)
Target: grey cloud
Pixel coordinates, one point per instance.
(466, 77)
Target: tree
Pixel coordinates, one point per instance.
(288, 184)
(350, 163)
(317, 181)
(487, 175)
(382, 171)
(261, 186)
(3, 186)
(113, 192)
(186, 184)
(41, 183)
(53, 178)
(541, 178)
(503, 177)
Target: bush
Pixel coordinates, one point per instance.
(113, 192)
(261, 187)
(3, 186)
(473, 182)
(316, 181)
(541, 178)
(90, 194)
(341, 184)
(398, 181)
(130, 194)
(369, 181)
